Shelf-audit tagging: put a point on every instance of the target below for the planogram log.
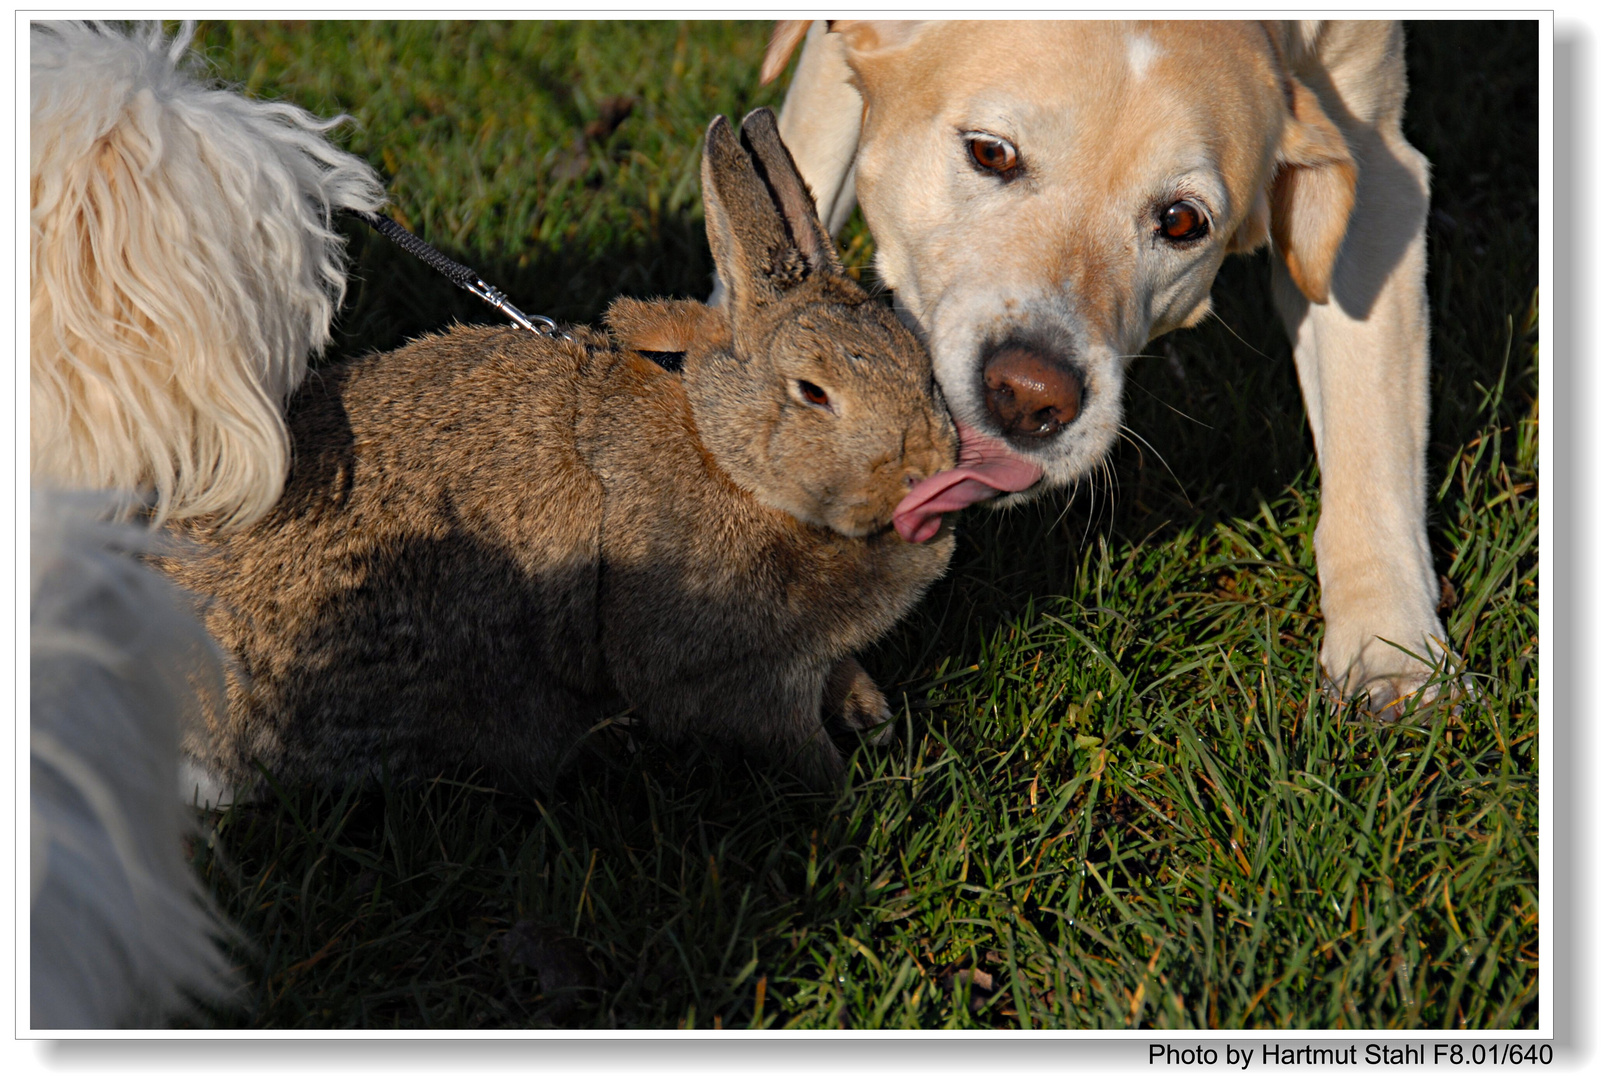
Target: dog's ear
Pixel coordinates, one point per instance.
(863, 37)
(869, 38)
(787, 34)
(760, 222)
(1313, 194)
(875, 51)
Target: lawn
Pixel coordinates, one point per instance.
(1117, 796)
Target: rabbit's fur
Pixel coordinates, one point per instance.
(490, 540)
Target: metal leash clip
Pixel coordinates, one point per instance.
(461, 275)
(489, 295)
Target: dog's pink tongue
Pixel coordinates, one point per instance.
(986, 467)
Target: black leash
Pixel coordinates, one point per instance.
(461, 275)
(467, 279)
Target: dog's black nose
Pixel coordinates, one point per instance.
(1029, 393)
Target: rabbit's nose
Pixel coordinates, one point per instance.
(1029, 393)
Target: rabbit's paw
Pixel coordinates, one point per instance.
(856, 703)
(819, 762)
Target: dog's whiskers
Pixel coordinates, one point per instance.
(1141, 443)
(1240, 340)
(1112, 489)
(1070, 501)
(1173, 408)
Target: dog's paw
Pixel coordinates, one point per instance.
(1390, 698)
(1387, 682)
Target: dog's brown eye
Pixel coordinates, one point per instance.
(994, 155)
(812, 393)
(1183, 221)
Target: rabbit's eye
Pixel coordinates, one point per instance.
(812, 393)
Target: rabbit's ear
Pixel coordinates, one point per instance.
(759, 133)
(756, 252)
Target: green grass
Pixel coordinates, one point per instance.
(1117, 796)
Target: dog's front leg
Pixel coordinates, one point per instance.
(1363, 361)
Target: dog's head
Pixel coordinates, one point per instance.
(1046, 197)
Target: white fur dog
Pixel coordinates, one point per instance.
(183, 268)
(117, 663)
(1046, 197)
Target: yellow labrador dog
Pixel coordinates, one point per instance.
(1045, 197)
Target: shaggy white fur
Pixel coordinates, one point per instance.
(117, 663)
(183, 268)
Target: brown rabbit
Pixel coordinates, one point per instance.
(489, 539)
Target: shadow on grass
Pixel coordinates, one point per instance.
(452, 904)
